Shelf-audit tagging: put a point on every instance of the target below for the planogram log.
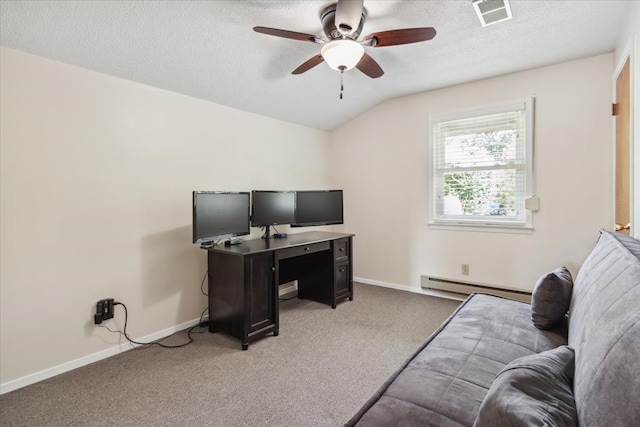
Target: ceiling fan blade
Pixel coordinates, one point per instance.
(348, 15)
(369, 66)
(309, 64)
(396, 37)
(288, 34)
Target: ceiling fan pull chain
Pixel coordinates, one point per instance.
(341, 81)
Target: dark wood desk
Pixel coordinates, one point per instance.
(244, 279)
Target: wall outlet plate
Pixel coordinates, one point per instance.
(465, 269)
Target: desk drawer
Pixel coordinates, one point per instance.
(303, 250)
(342, 279)
(341, 250)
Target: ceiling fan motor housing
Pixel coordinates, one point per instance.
(328, 18)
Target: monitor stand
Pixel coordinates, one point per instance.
(267, 232)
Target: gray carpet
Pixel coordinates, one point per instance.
(322, 367)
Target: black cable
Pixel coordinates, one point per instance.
(157, 342)
(202, 322)
(202, 284)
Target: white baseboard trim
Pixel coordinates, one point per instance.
(416, 290)
(82, 361)
(85, 360)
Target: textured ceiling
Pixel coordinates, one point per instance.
(207, 49)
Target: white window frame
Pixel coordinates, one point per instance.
(483, 222)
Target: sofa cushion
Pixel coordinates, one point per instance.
(532, 390)
(604, 330)
(445, 381)
(551, 298)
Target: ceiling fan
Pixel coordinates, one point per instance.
(342, 24)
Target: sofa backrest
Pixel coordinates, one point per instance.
(604, 330)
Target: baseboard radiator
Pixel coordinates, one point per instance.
(466, 288)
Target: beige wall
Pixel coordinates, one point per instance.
(382, 165)
(628, 45)
(112, 164)
(96, 181)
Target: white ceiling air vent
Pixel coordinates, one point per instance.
(492, 11)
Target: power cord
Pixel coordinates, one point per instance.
(202, 284)
(159, 343)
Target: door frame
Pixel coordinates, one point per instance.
(634, 145)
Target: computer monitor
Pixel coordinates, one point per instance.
(218, 215)
(319, 207)
(272, 208)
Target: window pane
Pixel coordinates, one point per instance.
(486, 193)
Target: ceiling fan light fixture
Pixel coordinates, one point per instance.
(342, 55)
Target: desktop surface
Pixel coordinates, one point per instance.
(296, 239)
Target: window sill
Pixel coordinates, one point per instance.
(483, 228)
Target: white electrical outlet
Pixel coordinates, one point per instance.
(465, 269)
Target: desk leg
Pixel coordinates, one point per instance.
(245, 346)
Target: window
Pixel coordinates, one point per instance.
(481, 169)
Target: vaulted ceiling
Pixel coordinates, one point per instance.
(208, 50)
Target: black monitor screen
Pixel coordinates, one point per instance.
(318, 208)
(272, 207)
(219, 214)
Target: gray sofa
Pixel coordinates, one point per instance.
(488, 364)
